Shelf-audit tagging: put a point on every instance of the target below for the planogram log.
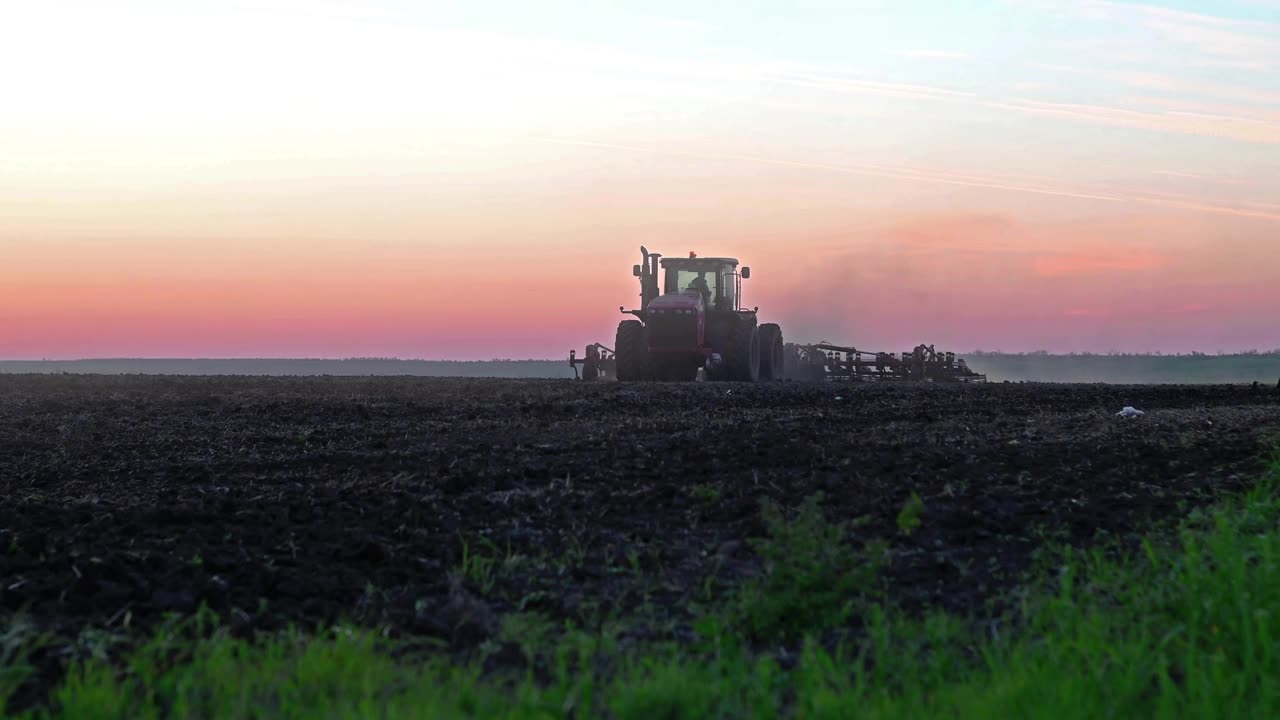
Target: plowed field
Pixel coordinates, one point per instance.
(274, 500)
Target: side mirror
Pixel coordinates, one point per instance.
(746, 273)
(635, 270)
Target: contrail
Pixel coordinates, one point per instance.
(1198, 176)
(857, 85)
(868, 170)
(965, 180)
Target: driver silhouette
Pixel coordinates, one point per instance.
(700, 284)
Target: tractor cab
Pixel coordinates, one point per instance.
(716, 279)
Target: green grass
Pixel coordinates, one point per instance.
(1183, 625)
(705, 493)
(813, 579)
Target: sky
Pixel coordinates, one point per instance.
(473, 180)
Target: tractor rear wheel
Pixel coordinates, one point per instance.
(743, 363)
(631, 351)
(771, 359)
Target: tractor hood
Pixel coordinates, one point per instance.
(675, 302)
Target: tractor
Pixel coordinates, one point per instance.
(692, 321)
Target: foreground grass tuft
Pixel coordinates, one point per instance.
(1185, 626)
(814, 580)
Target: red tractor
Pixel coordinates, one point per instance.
(693, 321)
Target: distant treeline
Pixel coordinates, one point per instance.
(1129, 367)
(271, 366)
(1033, 366)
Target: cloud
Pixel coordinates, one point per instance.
(1178, 119)
(1110, 9)
(330, 10)
(1198, 176)
(1233, 64)
(1165, 13)
(1221, 39)
(1059, 68)
(1098, 262)
(827, 81)
(868, 169)
(1208, 109)
(1138, 311)
(934, 54)
(1182, 87)
(1268, 206)
(548, 63)
(677, 23)
(938, 177)
(1215, 41)
(1235, 128)
(1086, 312)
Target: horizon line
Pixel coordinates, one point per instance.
(371, 358)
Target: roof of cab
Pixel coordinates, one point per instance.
(683, 261)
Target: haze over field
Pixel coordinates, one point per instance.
(473, 179)
(998, 367)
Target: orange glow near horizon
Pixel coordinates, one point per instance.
(956, 280)
(390, 179)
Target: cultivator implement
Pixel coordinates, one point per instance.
(597, 362)
(826, 362)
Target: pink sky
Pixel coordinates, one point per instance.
(453, 188)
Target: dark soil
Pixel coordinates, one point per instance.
(278, 500)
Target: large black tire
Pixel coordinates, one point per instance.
(771, 353)
(591, 368)
(631, 347)
(743, 363)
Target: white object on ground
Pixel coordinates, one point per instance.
(1130, 411)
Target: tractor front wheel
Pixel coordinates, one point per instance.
(771, 353)
(631, 352)
(743, 363)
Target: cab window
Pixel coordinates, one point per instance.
(685, 280)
